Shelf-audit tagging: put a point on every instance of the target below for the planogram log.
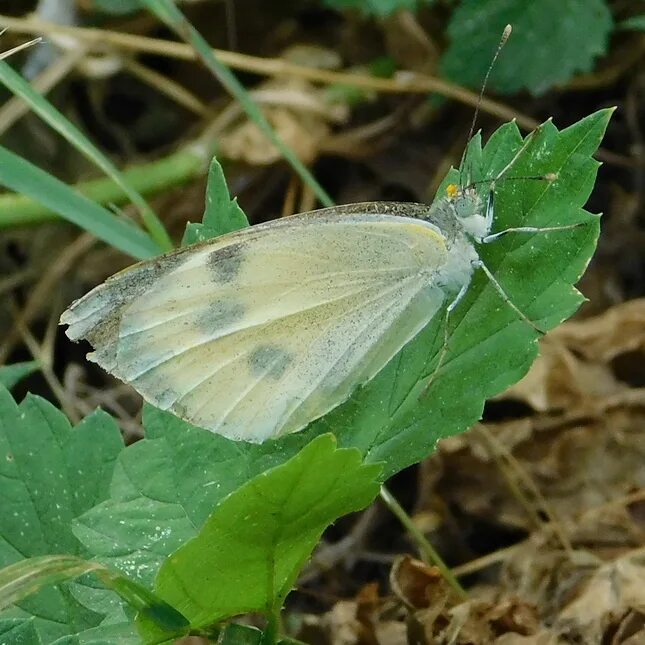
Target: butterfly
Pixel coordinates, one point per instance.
(254, 334)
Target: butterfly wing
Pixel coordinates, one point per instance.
(256, 333)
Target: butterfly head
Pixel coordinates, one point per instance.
(467, 207)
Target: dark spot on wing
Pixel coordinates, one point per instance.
(269, 360)
(225, 264)
(222, 313)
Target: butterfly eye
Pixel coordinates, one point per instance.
(467, 204)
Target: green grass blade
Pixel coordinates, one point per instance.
(177, 169)
(23, 177)
(167, 12)
(26, 577)
(39, 104)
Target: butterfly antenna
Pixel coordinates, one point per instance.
(505, 36)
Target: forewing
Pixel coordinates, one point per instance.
(257, 333)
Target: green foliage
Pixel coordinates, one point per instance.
(250, 550)
(490, 347)
(222, 214)
(552, 41)
(164, 489)
(378, 7)
(51, 473)
(12, 374)
(166, 486)
(391, 419)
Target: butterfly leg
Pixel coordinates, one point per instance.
(527, 229)
(444, 347)
(506, 299)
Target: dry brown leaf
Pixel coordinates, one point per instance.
(296, 110)
(615, 590)
(418, 584)
(575, 365)
(618, 330)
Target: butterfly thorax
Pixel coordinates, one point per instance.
(458, 216)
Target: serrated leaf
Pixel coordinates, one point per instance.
(391, 419)
(222, 214)
(251, 548)
(379, 8)
(49, 473)
(552, 40)
(10, 375)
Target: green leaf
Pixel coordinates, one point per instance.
(49, 474)
(222, 214)
(164, 489)
(251, 548)
(379, 8)
(552, 40)
(10, 375)
(23, 177)
(18, 631)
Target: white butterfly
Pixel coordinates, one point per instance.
(257, 333)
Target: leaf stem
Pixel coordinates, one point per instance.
(270, 633)
(427, 550)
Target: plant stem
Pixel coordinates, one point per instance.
(148, 179)
(427, 550)
(270, 633)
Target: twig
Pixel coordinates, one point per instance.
(497, 450)
(402, 83)
(40, 294)
(168, 87)
(427, 550)
(15, 50)
(44, 364)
